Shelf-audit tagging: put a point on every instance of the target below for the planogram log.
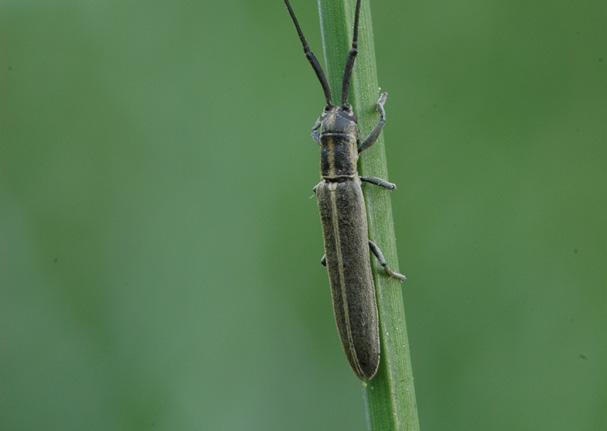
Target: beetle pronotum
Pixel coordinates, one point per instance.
(343, 215)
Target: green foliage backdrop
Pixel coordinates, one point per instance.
(159, 248)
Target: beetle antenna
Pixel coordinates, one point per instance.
(311, 57)
(345, 88)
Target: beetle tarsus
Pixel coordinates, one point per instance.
(380, 104)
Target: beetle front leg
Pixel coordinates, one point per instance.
(372, 138)
(316, 131)
(382, 261)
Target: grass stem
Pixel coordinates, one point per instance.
(390, 396)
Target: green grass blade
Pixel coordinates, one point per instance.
(390, 395)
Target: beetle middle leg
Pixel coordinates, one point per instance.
(372, 138)
(323, 260)
(382, 261)
(379, 182)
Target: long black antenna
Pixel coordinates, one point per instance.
(311, 57)
(345, 86)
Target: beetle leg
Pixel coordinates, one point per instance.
(382, 261)
(372, 138)
(316, 132)
(323, 260)
(316, 186)
(379, 182)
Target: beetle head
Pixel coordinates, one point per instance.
(338, 119)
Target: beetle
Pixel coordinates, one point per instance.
(343, 215)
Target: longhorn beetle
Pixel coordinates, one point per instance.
(343, 215)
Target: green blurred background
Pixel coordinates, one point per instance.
(159, 248)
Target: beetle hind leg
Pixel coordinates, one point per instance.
(382, 261)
